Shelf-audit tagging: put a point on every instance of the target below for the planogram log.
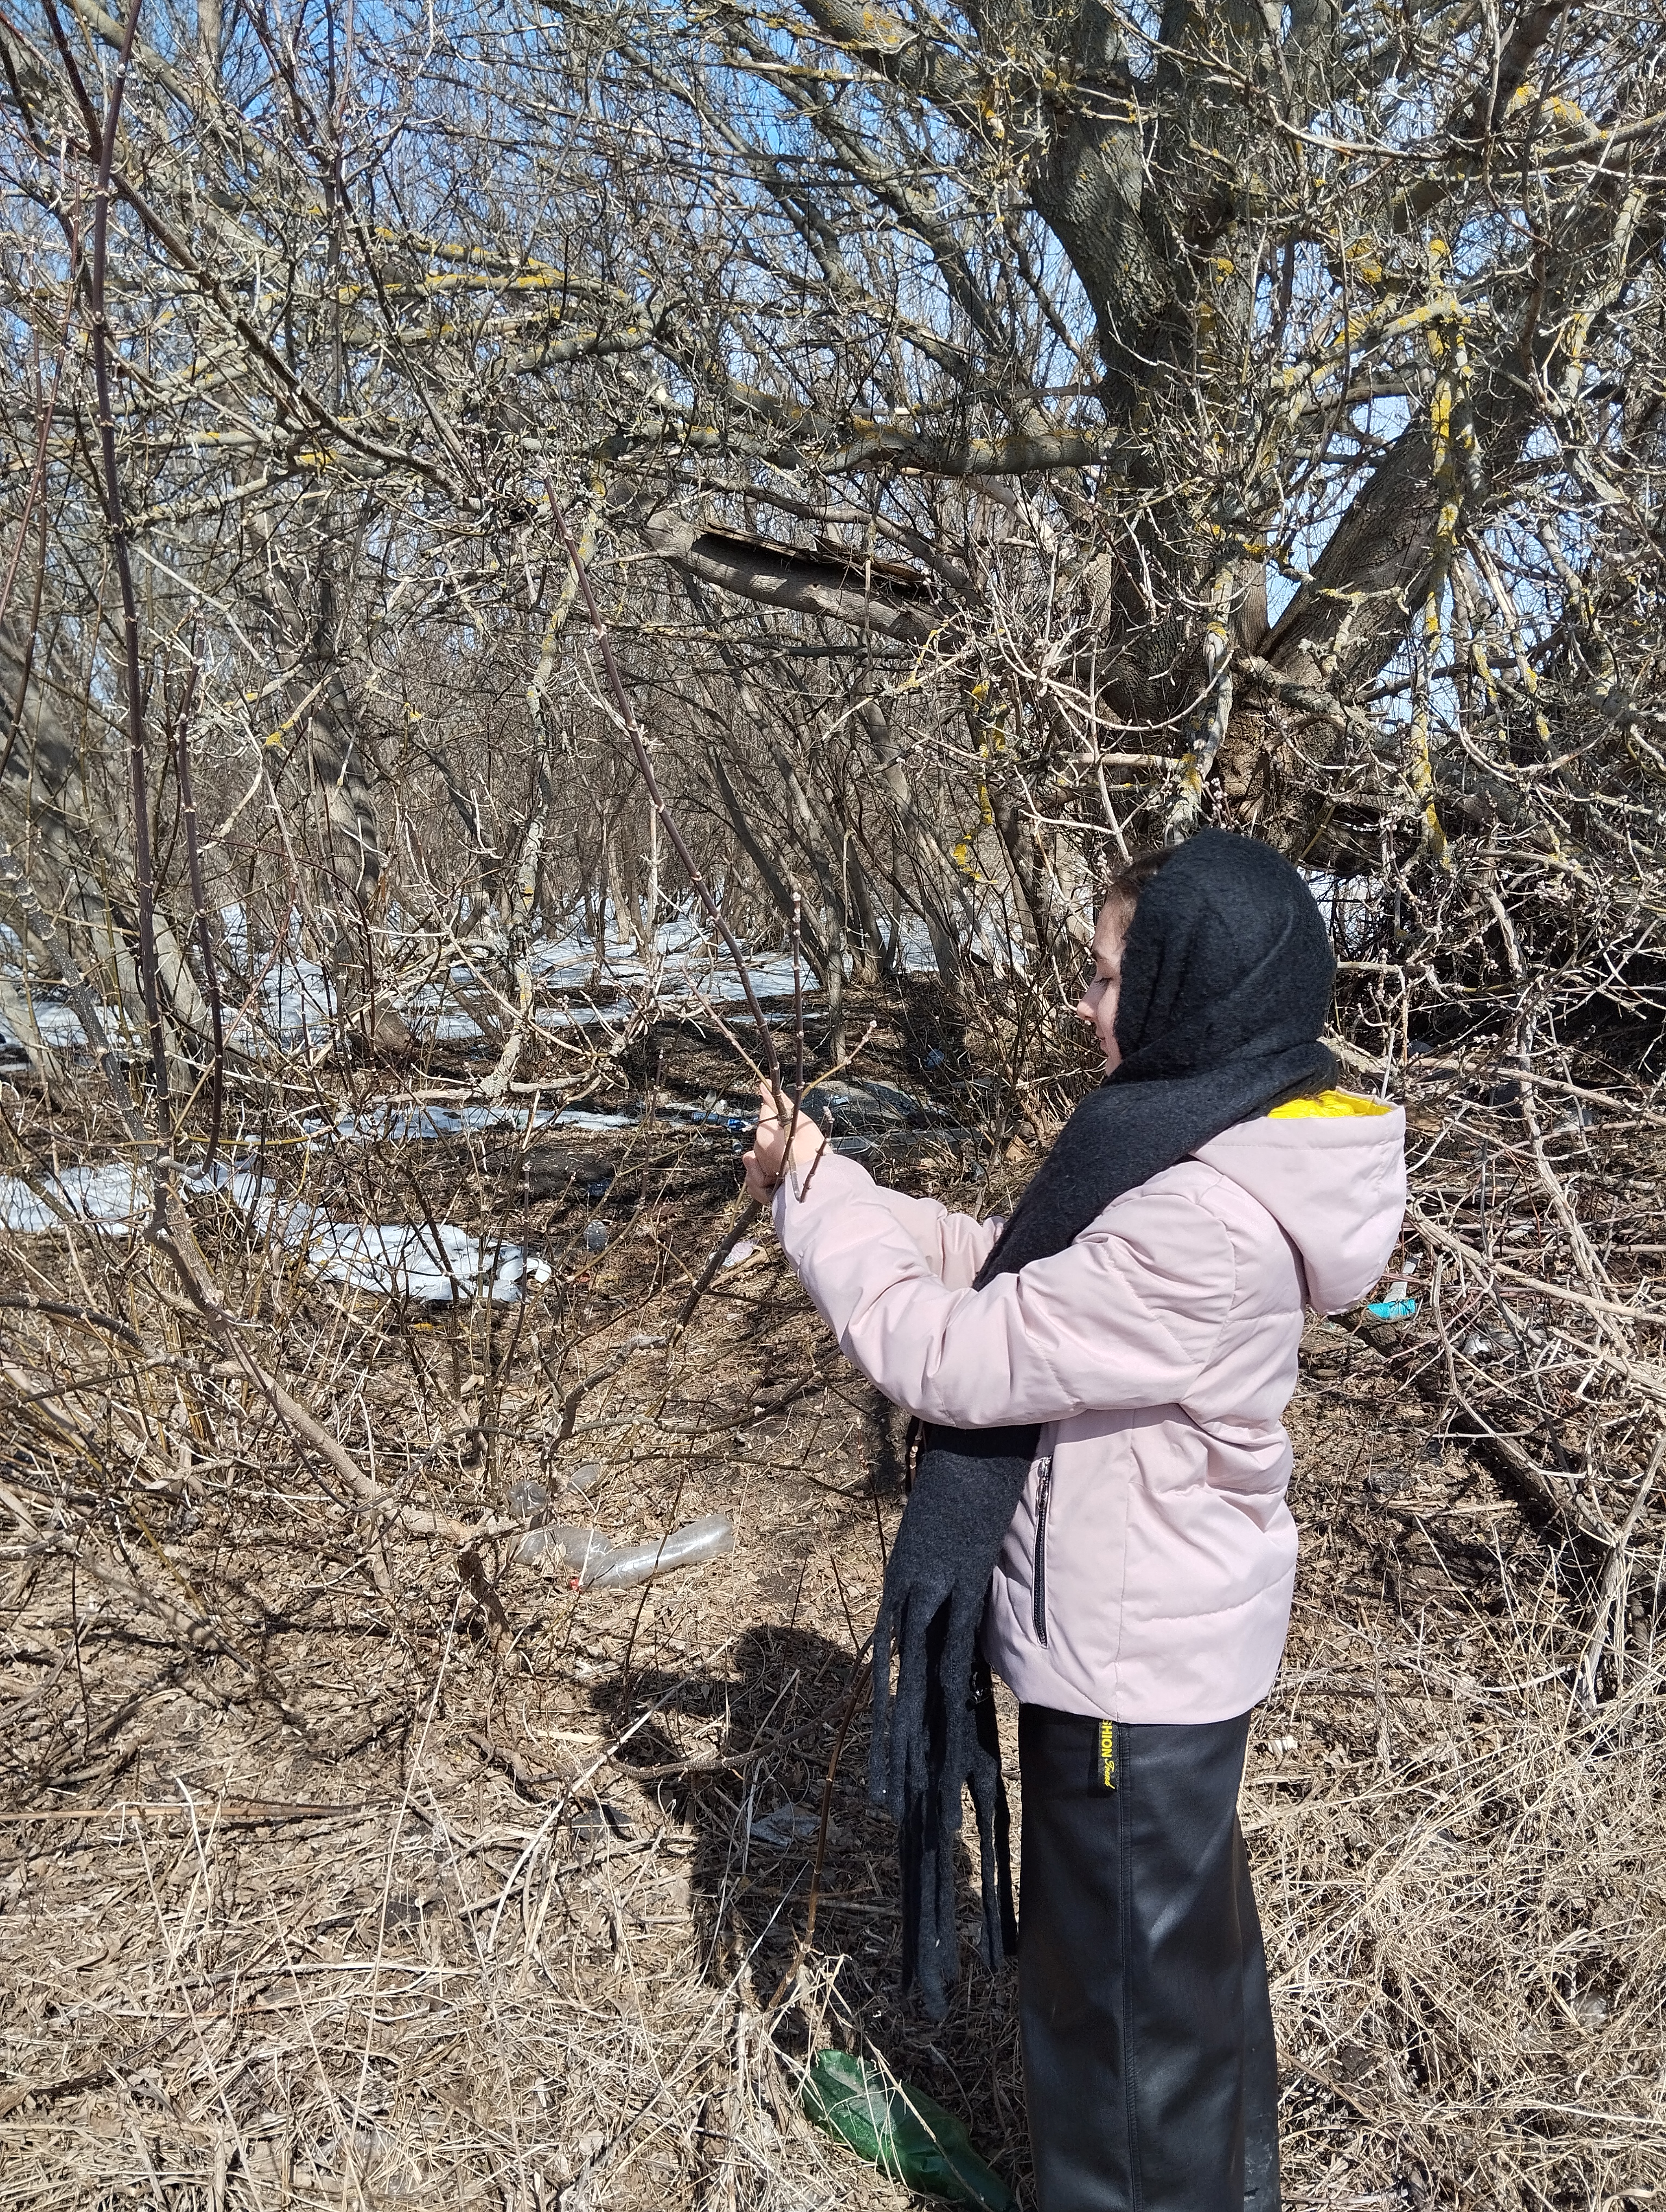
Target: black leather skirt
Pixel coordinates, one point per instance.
(1149, 2066)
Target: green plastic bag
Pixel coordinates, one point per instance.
(899, 2130)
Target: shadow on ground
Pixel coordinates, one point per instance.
(788, 1698)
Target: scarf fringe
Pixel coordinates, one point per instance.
(929, 1746)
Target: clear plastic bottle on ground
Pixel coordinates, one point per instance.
(594, 1564)
(707, 1537)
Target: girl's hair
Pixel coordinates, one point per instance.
(1123, 889)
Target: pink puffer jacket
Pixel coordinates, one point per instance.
(1147, 1572)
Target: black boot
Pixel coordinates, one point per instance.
(1149, 2065)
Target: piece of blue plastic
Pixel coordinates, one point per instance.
(1393, 1309)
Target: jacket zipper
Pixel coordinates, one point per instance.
(1038, 1575)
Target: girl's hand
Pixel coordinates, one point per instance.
(767, 1162)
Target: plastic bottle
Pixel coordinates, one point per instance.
(906, 2135)
(591, 1563)
(707, 1537)
(583, 1549)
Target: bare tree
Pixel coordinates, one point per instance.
(997, 435)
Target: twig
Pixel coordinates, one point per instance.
(749, 1212)
(499, 1754)
(200, 919)
(657, 799)
(1437, 1235)
(1611, 1595)
(576, 1397)
(28, 1303)
(115, 512)
(47, 2093)
(239, 1812)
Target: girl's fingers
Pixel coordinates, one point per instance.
(758, 1185)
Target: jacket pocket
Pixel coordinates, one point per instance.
(1038, 1568)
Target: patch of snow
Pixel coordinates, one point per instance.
(389, 1258)
(387, 1121)
(114, 1196)
(290, 1001)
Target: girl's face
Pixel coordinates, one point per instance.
(1097, 1004)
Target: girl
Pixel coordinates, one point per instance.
(1099, 1513)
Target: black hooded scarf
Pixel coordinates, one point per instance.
(1226, 985)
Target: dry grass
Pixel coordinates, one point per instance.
(1465, 1923)
(445, 1885)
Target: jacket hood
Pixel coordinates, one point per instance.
(1336, 1186)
